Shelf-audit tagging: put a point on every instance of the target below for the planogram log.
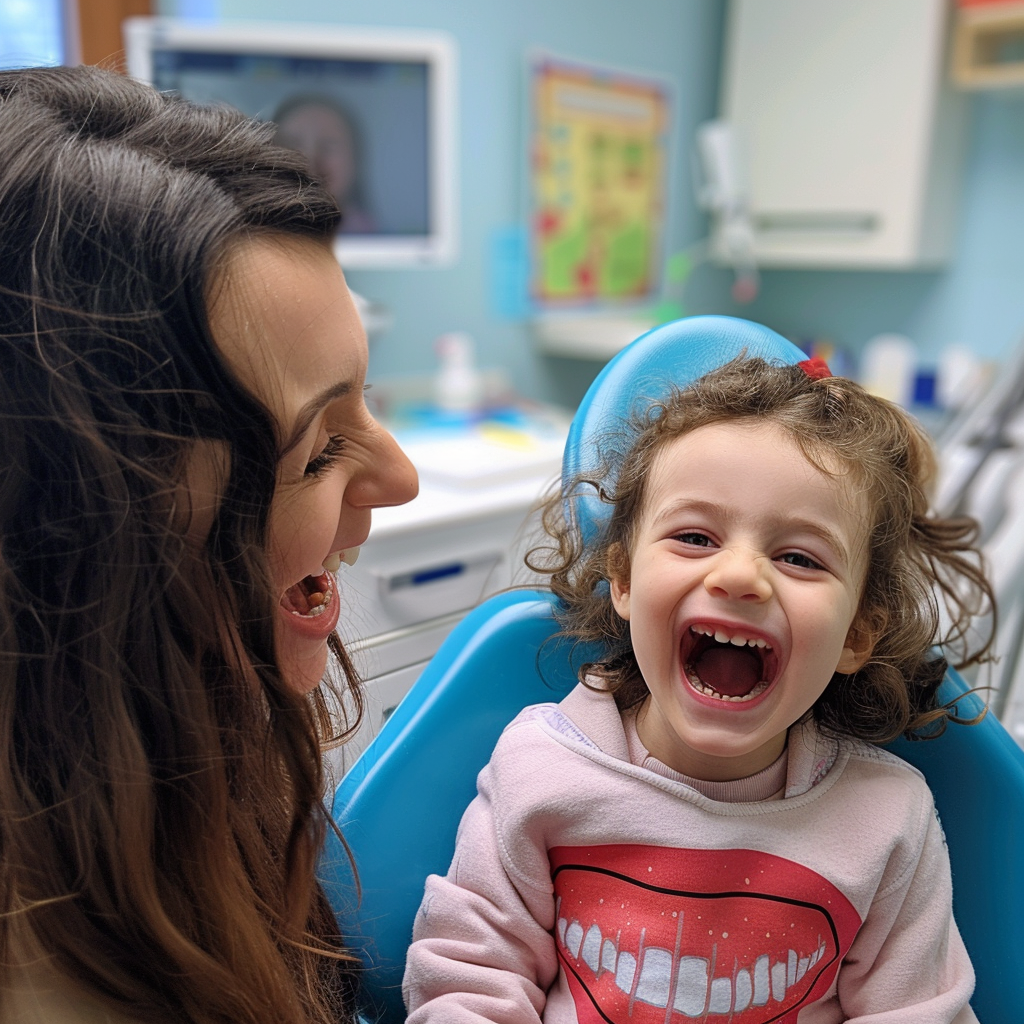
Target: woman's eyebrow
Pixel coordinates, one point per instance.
(309, 412)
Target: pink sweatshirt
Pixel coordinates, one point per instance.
(587, 889)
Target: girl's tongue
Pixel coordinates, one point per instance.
(732, 671)
(310, 596)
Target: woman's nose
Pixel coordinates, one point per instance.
(739, 576)
(387, 478)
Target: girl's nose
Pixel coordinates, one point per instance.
(387, 478)
(738, 576)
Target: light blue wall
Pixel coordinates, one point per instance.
(977, 301)
(679, 39)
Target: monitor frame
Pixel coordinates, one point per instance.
(439, 246)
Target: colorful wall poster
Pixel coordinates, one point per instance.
(598, 156)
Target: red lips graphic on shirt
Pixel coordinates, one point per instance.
(657, 935)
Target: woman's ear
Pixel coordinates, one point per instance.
(618, 579)
(859, 646)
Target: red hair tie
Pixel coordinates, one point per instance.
(815, 368)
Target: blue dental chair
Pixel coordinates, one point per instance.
(400, 804)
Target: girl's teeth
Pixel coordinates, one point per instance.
(723, 638)
(333, 562)
(349, 555)
(709, 691)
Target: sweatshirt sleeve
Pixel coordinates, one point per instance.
(482, 945)
(908, 964)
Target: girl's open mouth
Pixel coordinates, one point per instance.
(727, 664)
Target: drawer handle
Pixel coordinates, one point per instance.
(433, 573)
(437, 573)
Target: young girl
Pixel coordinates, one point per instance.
(703, 828)
(185, 457)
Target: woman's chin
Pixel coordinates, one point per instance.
(303, 658)
(302, 637)
(304, 672)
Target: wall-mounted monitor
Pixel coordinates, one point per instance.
(374, 110)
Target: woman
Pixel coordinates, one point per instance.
(184, 447)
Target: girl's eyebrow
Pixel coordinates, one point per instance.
(777, 521)
(309, 412)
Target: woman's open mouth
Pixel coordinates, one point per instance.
(311, 596)
(311, 608)
(727, 663)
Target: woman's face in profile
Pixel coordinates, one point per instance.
(324, 137)
(284, 319)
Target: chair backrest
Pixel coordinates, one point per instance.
(976, 773)
(400, 804)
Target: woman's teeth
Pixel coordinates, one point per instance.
(311, 596)
(332, 563)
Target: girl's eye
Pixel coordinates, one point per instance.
(799, 560)
(697, 540)
(328, 456)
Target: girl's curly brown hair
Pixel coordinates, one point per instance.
(924, 583)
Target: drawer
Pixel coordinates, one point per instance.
(406, 579)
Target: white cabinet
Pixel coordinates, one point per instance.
(852, 139)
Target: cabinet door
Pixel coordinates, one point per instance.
(851, 140)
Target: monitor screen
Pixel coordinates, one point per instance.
(371, 110)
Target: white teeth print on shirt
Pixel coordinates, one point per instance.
(690, 985)
(663, 935)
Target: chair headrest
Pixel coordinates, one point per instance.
(670, 356)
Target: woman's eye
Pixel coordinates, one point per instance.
(799, 560)
(328, 455)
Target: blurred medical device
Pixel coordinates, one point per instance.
(373, 110)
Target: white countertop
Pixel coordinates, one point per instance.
(483, 470)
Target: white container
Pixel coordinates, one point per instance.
(887, 368)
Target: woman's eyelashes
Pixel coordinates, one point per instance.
(327, 456)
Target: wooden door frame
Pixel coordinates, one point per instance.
(97, 26)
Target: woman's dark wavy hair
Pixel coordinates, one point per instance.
(160, 783)
(918, 561)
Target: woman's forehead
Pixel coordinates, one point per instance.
(284, 320)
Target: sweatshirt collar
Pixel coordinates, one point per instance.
(811, 752)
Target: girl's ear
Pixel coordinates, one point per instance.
(618, 579)
(859, 646)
